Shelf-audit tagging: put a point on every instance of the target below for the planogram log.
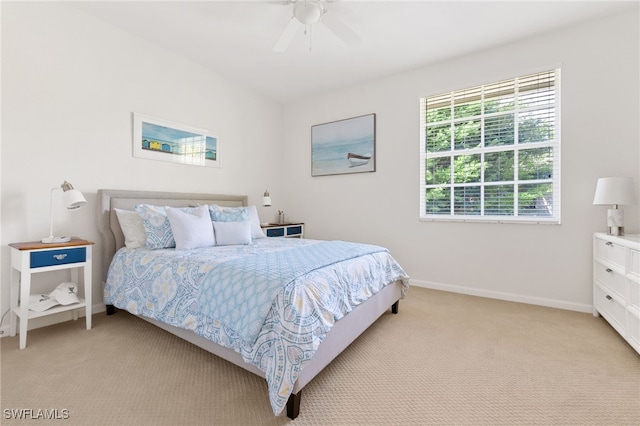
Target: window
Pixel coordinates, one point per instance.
(492, 153)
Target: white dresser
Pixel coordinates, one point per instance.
(616, 283)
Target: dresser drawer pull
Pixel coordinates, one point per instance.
(609, 270)
(609, 297)
(59, 256)
(608, 243)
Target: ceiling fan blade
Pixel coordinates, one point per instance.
(287, 35)
(340, 29)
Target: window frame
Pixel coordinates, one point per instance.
(553, 143)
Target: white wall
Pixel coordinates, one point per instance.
(70, 84)
(541, 264)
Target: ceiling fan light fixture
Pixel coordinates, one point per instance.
(307, 12)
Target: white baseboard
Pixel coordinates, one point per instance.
(511, 297)
(51, 319)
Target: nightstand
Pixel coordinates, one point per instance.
(36, 257)
(288, 230)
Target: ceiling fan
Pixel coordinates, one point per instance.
(309, 12)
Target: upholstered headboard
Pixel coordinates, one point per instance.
(110, 199)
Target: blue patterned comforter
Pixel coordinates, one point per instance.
(166, 285)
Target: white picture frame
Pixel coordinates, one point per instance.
(344, 146)
(162, 140)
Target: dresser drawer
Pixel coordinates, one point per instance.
(634, 294)
(612, 279)
(610, 308)
(40, 259)
(609, 251)
(633, 327)
(634, 263)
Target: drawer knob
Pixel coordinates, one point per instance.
(60, 256)
(609, 297)
(609, 270)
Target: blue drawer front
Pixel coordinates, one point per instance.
(275, 232)
(40, 259)
(294, 230)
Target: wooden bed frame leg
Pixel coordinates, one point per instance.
(293, 405)
(394, 307)
(111, 309)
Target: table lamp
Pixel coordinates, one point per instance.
(73, 200)
(266, 199)
(615, 191)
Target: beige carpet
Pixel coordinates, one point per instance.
(445, 359)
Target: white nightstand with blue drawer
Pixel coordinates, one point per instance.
(287, 230)
(37, 257)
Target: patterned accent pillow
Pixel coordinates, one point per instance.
(228, 214)
(157, 226)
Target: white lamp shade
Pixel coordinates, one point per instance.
(615, 191)
(73, 199)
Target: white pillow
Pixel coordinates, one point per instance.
(132, 227)
(191, 229)
(231, 233)
(256, 230)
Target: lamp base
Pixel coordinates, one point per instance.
(615, 221)
(617, 231)
(54, 240)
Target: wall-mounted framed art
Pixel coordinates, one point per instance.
(344, 146)
(157, 139)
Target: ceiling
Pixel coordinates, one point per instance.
(235, 38)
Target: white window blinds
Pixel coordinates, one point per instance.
(492, 152)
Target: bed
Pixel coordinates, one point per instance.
(318, 337)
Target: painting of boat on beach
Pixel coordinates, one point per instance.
(161, 140)
(344, 146)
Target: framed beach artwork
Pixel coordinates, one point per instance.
(157, 139)
(344, 146)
